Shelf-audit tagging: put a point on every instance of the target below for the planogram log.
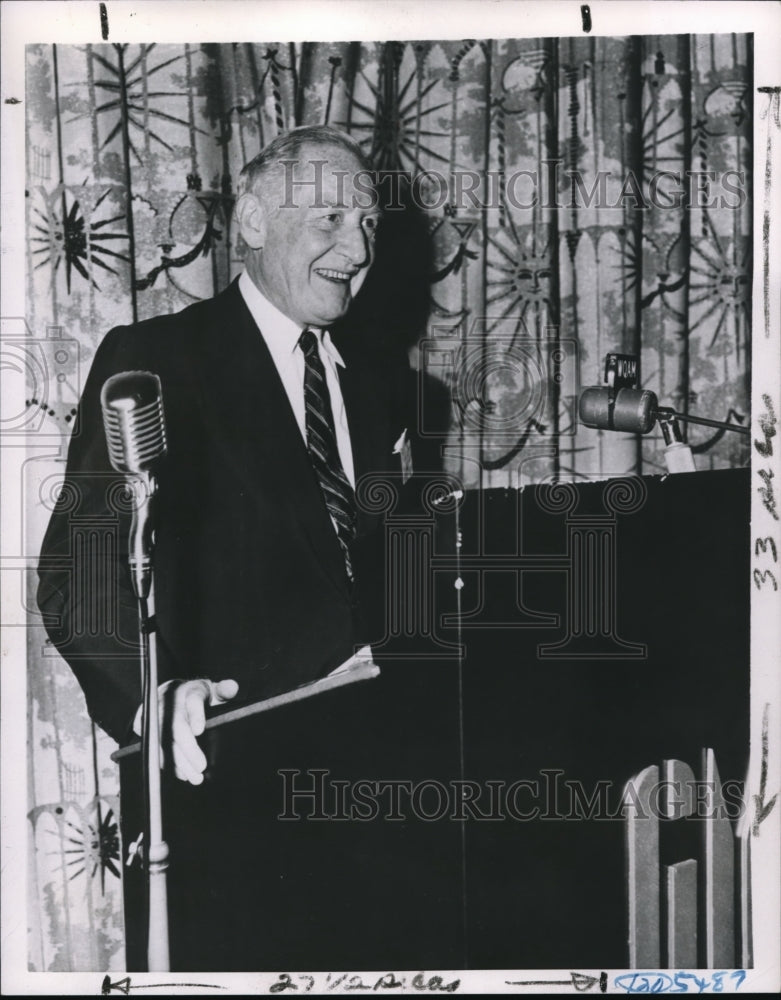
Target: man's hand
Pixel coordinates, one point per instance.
(182, 704)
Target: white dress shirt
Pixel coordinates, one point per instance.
(281, 335)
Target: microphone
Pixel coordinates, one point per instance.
(632, 410)
(133, 418)
(134, 423)
(132, 405)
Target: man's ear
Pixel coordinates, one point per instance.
(251, 216)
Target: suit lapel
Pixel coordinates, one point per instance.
(253, 425)
(364, 401)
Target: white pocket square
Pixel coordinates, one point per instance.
(397, 448)
(403, 450)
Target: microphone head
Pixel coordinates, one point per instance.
(134, 422)
(630, 410)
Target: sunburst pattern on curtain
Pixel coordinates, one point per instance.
(508, 303)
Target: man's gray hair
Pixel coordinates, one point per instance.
(288, 146)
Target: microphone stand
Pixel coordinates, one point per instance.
(668, 413)
(677, 454)
(155, 853)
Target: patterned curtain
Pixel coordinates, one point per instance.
(571, 197)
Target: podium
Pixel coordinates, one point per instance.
(280, 861)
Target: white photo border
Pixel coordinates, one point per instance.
(180, 21)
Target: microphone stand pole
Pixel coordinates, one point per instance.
(667, 413)
(155, 853)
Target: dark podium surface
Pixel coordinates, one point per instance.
(601, 632)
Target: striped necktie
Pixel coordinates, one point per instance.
(323, 451)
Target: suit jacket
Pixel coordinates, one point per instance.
(249, 575)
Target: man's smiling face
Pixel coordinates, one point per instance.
(318, 241)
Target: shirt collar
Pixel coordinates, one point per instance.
(279, 331)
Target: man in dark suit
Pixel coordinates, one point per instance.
(262, 561)
(268, 573)
(265, 563)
